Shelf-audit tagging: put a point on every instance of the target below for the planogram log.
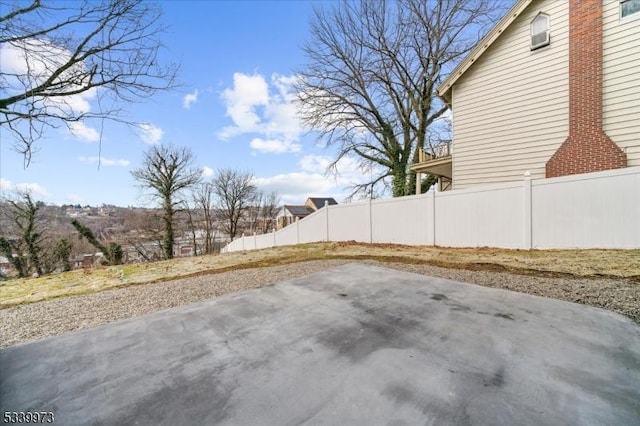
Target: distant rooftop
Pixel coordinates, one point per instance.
(299, 210)
(319, 202)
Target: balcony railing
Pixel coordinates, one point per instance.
(437, 151)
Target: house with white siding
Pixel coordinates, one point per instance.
(553, 89)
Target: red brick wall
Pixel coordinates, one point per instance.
(588, 148)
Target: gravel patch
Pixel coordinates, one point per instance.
(55, 317)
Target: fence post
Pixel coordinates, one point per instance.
(326, 212)
(370, 222)
(243, 241)
(255, 241)
(274, 237)
(527, 237)
(297, 230)
(433, 214)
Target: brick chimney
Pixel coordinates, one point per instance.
(588, 148)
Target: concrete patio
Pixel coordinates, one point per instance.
(355, 345)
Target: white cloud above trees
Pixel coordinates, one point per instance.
(265, 109)
(190, 99)
(274, 145)
(104, 161)
(35, 189)
(151, 134)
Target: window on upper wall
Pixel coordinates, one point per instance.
(540, 31)
(629, 7)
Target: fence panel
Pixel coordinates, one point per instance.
(287, 236)
(401, 220)
(234, 245)
(596, 210)
(264, 240)
(349, 222)
(490, 216)
(313, 228)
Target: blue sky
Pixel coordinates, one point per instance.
(233, 110)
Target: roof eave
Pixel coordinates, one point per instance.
(444, 90)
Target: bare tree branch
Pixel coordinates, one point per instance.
(373, 68)
(59, 52)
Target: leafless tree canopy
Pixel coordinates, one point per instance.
(235, 193)
(54, 52)
(373, 68)
(166, 171)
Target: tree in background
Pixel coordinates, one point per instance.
(15, 259)
(269, 211)
(113, 252)
(261, 216)
(53, 53)
(62, 253)
(167, 171)
(369, 87)
(203, 197)
(235, 193)
(24, 251)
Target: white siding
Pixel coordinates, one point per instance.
(510, 109)
(621, 80)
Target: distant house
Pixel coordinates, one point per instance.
(552, 89)
(290, 213)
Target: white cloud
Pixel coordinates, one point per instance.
(207, 171)
(275, 146)
(34, 188)
(297, 186)
(83, 132)
(105, 161)
(315, 163)
(347, 171)
(265, 109)
(151, 134)
(248, 93)
(5, 185)
(189, 99)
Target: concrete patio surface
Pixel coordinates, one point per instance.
(355, 345)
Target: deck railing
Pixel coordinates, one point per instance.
(434, 152)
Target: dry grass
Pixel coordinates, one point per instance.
(581, 263)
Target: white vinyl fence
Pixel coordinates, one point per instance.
(594, 210)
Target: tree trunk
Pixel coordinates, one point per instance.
(168, 229)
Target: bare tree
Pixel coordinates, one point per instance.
(54, 52)
(269, 211)
(167, 171)
(254, 212)
(203, 197)
(369, 86)
(235, 193)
